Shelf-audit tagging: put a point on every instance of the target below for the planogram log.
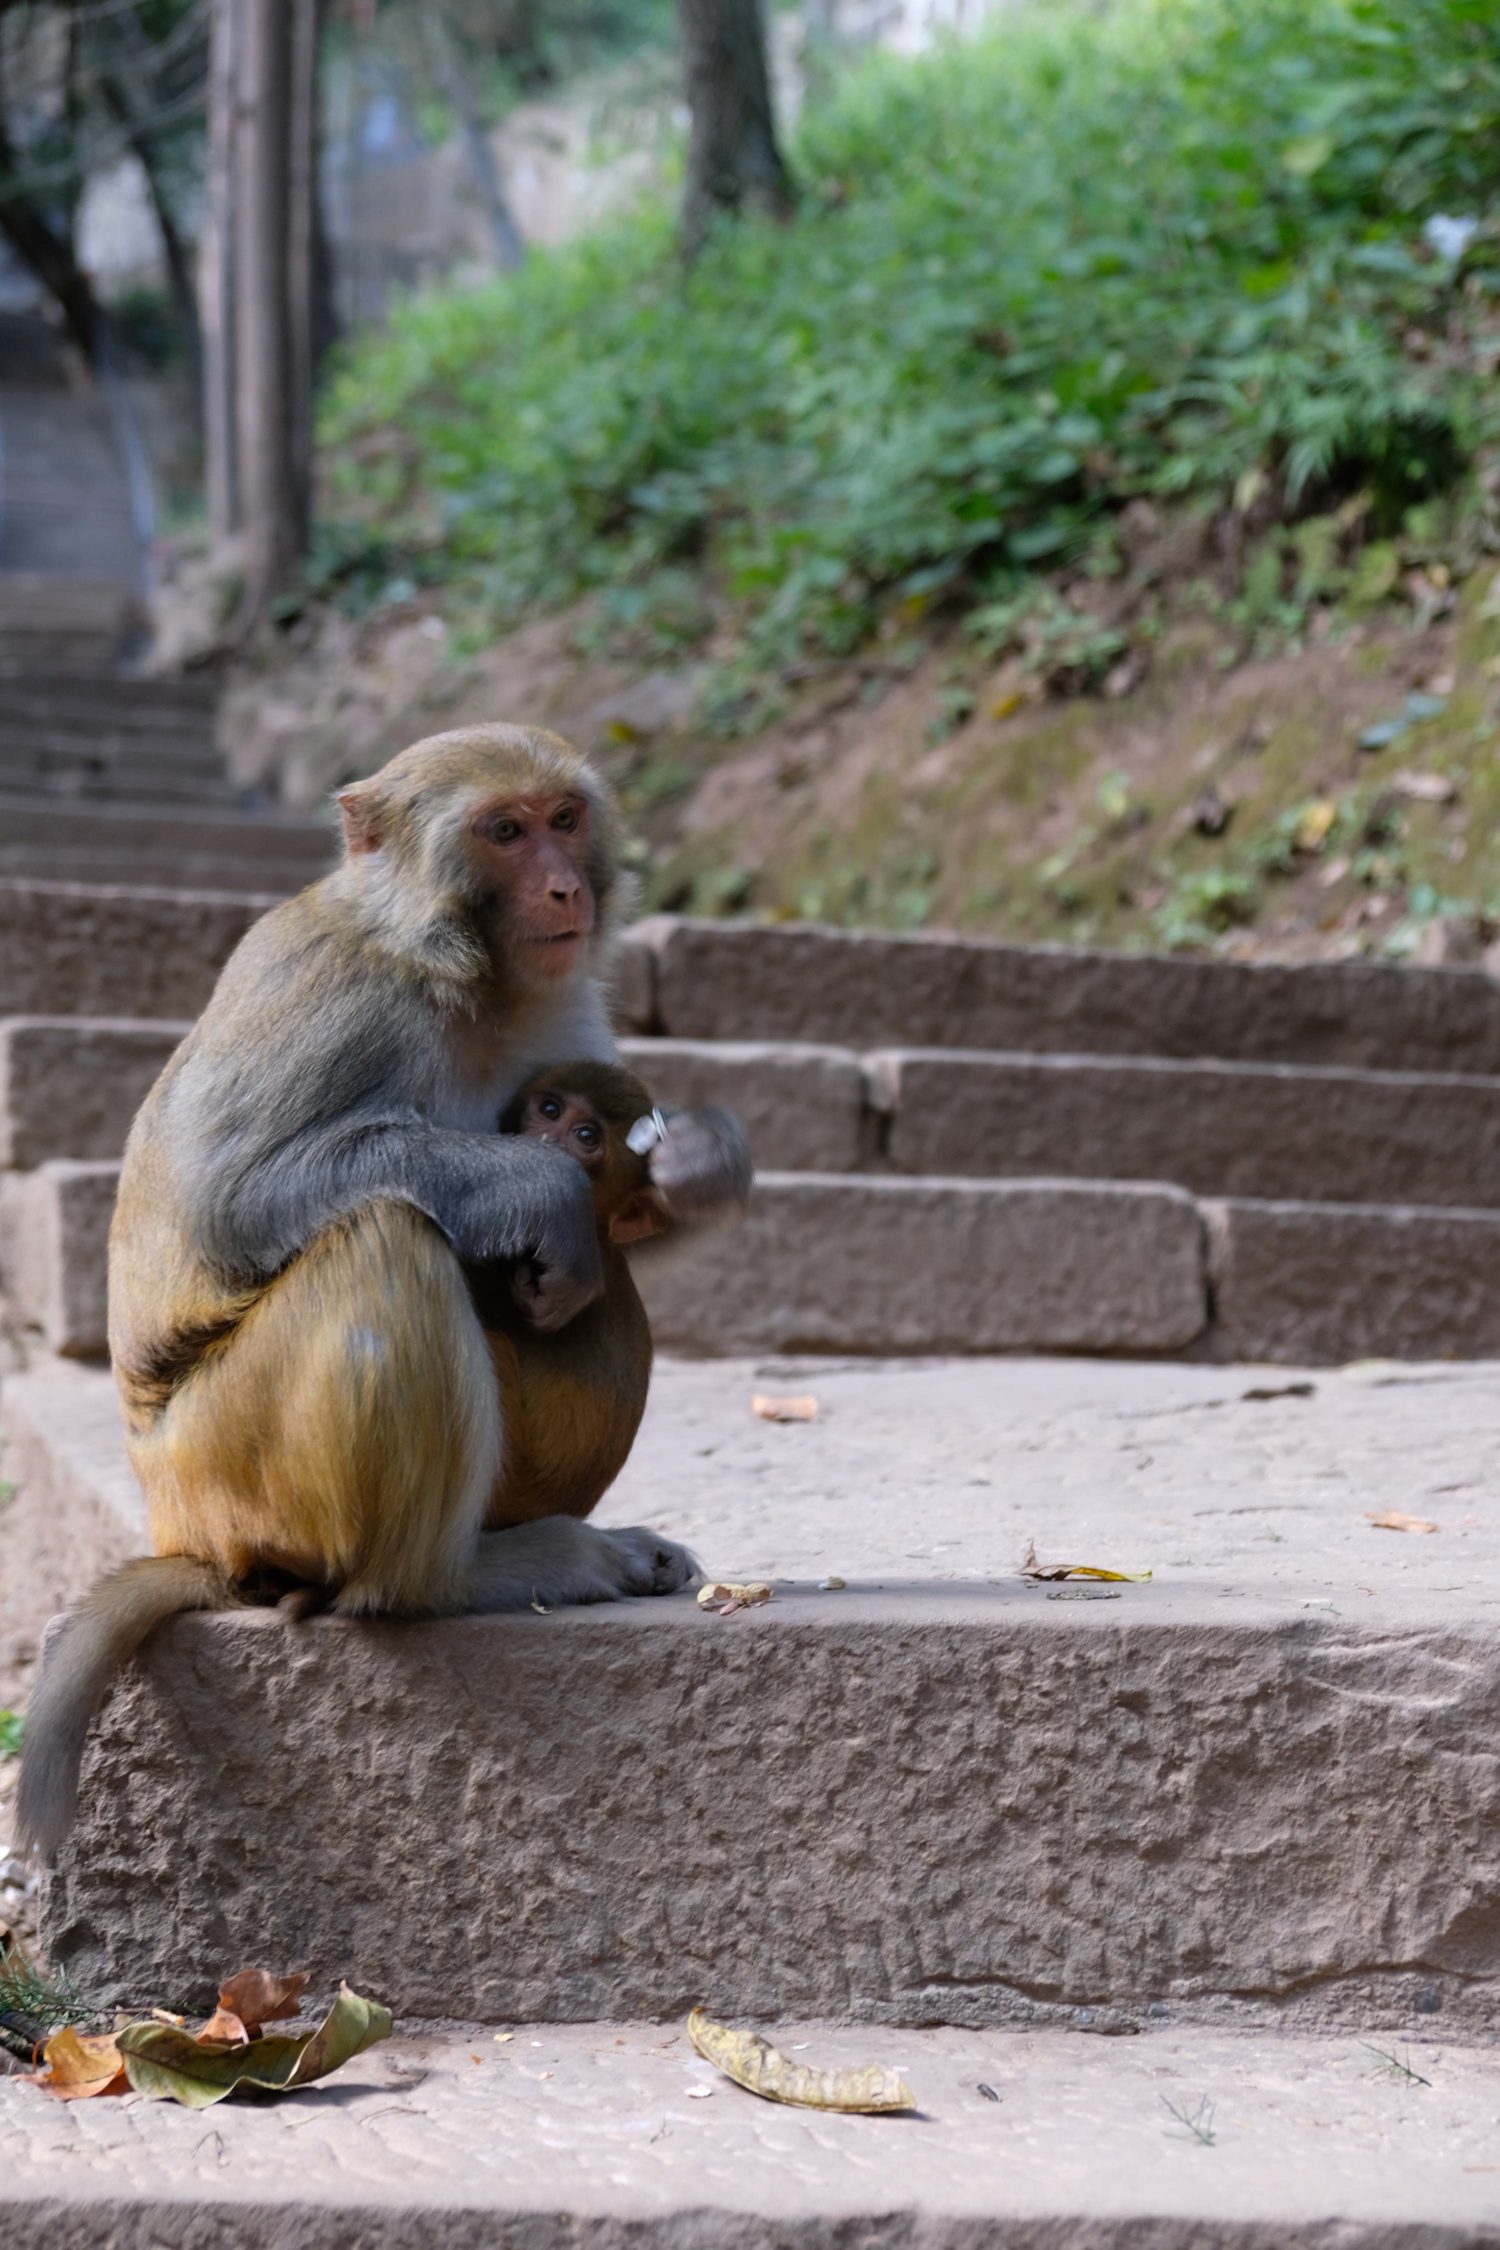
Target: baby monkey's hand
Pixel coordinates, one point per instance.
(702, 1169)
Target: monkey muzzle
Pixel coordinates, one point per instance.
(646, 1134)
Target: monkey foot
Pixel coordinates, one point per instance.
(652, 1564)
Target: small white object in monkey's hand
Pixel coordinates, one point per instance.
(646, 1134)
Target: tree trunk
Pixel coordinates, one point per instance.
(448, 63)
(216, 280)
(44, 250)
(734, 162)
(257, 276)
(122, 98)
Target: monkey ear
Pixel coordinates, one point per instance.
(363, 816)
(641, 1215)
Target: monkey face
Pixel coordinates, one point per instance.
(533, 852)
(570, 1123)
(627, 1206)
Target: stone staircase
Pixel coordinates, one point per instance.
(1084, 1153)
(109, 777)
(1243, 1817)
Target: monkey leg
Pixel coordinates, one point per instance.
(347, 1432)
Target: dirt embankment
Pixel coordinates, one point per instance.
(1330, 790)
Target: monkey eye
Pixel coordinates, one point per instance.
(549, 1105)
(502, 830)
(589, 1135)
(566, 817)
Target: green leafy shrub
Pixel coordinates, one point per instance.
(1155, 251)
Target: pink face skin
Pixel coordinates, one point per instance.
(570, 1124)
(535, 849)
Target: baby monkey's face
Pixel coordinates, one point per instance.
(570, 1123)
(592, 1127)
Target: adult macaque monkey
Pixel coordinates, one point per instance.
(307, 1388)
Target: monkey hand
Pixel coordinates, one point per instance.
(702, 1170)
(562, 1269)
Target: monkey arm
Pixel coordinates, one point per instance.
(702, 1170)
(494, 1197)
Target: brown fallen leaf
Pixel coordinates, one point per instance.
(258, 1996)
(762, 2069)
(723, 1597)
(174, 2065)
(223, 2029)
(1392, 1519)
(784, 1409)
(1031, 1568)
(80, 2065)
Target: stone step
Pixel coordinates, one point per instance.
(860, 988)
(876, 1264)
(133, 721)
(136, 700)
(170, 745)
(133, 867)
(694, 982)
(57, 623)
(54, 1240)
(70, 1085)
(115, 950)
(69, 776)
(943, 1793)
(867, 1263)
(589, 2136)
(1248, 1129)
(135, 834)
(833, 1262)
(42, 745)
(1259, 1130)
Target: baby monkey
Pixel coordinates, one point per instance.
(573, 1397)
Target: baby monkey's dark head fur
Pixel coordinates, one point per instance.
(586, 1109)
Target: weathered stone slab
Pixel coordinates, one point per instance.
(581, 2137)
(73, 949)
(1305, 1282)
(70, 1085)
(632, 986)
(919, 1803)
(803, 1107)
(875, 1264)
(167, 831)
(1248, 1129)
(76, 1510)
(855, 988)
(54, 1236)
(826, 1263)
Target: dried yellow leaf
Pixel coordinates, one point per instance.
(762, 2069)
(1315, 822)
(1031, 1568)
(81, 2065)
(724, 1597)
(784, 1409)
(1392, 1519)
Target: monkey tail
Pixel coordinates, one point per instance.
(108, 1625)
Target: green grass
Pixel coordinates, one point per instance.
(1171, 249)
